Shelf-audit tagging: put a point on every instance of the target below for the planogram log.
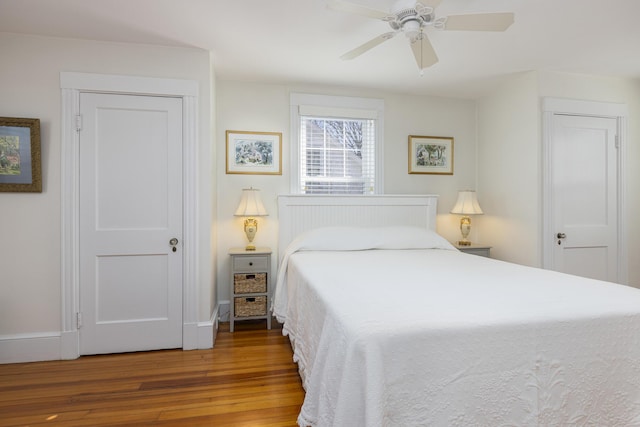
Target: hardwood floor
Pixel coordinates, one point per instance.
(248, 379)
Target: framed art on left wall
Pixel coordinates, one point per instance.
(20, 164)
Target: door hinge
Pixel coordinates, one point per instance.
(617, 142)
(78, 123)
(79, 320)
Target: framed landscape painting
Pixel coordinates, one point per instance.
(20, 165)
(257, 153)
(431, 155)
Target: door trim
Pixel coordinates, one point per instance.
(551, 107)
(72, 84)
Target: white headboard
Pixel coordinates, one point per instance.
(299, 213)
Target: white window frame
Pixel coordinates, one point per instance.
(340, 107)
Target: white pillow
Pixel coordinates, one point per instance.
(361, 238)
(404, 237)
(335, 239)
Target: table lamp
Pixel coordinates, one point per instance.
(467, 204)
(251, 206)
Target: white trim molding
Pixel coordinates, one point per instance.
(112, 83)
(72, 84)
(620, 112)
(21, 348)
(201, 335)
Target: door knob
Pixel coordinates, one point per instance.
(173, 242)
(561, 235)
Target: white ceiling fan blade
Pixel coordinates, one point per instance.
(479, 22)
(423, 51)
(356, 9)
(367, 46)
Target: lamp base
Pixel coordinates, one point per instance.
(250, 229)
(465, 228)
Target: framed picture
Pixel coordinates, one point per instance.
(431, 155)
(20, 167)
(257, 153)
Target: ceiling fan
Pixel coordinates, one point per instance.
(411, 18)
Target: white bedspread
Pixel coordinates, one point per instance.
(440, 338)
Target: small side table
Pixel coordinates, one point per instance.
(474, 249)
(250, 285)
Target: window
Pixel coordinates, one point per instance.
(338, 146)
(336, 155)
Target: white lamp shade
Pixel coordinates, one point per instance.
(467, 204)
(251, 204)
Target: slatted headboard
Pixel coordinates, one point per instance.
(299, 213)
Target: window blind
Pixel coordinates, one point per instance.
(337, 155)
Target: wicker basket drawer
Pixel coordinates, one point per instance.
(250, 283)
(250, 263)
(250, 306)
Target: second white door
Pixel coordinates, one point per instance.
(584, 196)
(130, 210)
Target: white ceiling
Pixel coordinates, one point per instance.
(300, 41)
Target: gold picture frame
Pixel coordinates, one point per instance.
(431, 155)
(20, 160)
(257, 153)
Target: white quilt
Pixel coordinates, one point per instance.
(434, 337)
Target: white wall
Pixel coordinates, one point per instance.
(509, 171)
(509, 159)
(262, 107)
(30, 225)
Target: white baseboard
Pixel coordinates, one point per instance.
(45, 346)
(207, 331)
(202, 335)
(30, 347)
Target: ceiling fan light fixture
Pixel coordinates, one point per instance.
(411, 29)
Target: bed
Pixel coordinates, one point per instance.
(392, 326)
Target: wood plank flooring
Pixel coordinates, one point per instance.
(247, 379)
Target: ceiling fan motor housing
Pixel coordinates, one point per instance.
(410, 17)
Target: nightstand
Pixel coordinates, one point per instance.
(474, 249)
(250, 285)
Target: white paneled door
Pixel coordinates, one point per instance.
(584, 196)
(130, 223)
